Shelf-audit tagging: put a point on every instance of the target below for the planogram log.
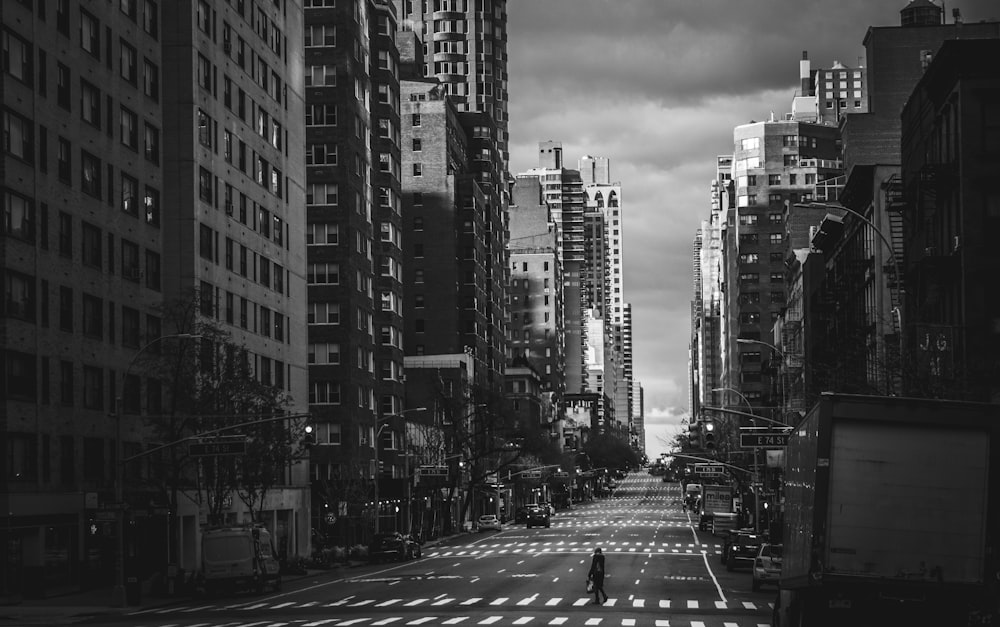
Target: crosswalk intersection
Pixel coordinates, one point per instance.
(531, 547)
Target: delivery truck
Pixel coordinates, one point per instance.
(715, 499)
(891, 514)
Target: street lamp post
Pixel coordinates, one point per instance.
(756, 467)
(406, 464)
(118, 597)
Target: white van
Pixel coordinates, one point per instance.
(238, 558)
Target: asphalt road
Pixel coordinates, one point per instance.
(661, 571)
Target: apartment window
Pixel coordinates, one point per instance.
(151, 202)
(65, 235)
(323, 234)
(321, 154)
(151, 18)
(321, 115)
(90, 173)
(323, 313)
(321, 76)
(17, 57)
(776, 238)
(91, 245)
(18, 217)
(748, 219)
(130, 261)
(128, 62)
(321, 194)
(205, 185)
(774, 179)
(204, 129)
(130, 327)
(151, 143)
(203, 17)
(90, 34)
(415, 119)
(93, 318)
(129, 126)
(749, 258)
(17, 136)
(323, 274)
(204, 73)
(153, 270)
(749, 277)
(320, 36)
(324, 393)
(324, 353)
(90, 104)
(150, 79)
(63, 88)
(418, 169)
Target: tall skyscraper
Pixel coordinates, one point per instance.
(151, 159)
(465, 49)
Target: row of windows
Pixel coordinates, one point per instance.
(243, 261)
(242, 312)
(97, 250)
(754, 277)
(753, 298)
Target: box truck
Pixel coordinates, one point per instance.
(891, 514)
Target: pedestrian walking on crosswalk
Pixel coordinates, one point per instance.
(596, 575)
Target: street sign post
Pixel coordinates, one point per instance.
(709, 470)
(751, 437)
(227, 445)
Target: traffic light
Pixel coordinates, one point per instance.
(709, 435)
(308, 437)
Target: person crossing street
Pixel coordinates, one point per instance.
(596, 576)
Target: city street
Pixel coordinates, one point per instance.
(660, 571)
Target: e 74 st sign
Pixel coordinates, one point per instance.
(751, 437)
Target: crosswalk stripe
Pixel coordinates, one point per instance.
(490, 620)
(471, 601)
(422, 620)
(358, 604)
(593, 621)
(415, 602)
(749, 605)
(639, 603)
(524, 620)
(628, 622)
(456, 620)
(442, 602)
(611, 602)
(580, 602)
(499, 601)
(720, 605)
(553, 601)
(322, 621)
(387, 621)
(559, 620)
(527, 600)
(665, 604)
(662, 622)
(692, 604)
(388, 603)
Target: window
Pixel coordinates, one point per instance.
(128, 62)
(751, 143)
(129, 128)
(323, 234)
(90, 34)
(93, 319)
(323, 313)
(321, 194)
(321, 154)
(204, 129)
(150, 79)
(90, 104)
(415, 119)
(324, 393)
(205, 185)
(93, 388)
(130, 261)
(777, 277)
(17, 57)
(321, 76)
(320, 36)
(323, 274)
(749, 277)
(151, 202)
(324, 353)
(749, 258)
(151, 143)
(90, 173)
(130, 327)
(321, 115)
(748, 219)
(151, 18)
(204, 73)
(91, 245)
(418, 169)
(65, 234)
(18, 216)
(776, 238)
(17, 136)
(63, 86)
(153, 270)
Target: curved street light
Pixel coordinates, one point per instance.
(118, 597)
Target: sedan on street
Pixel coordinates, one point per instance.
(489, 521)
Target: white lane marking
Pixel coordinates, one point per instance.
(524, 620)
(386, 621)
(415, 602)
(628, 622)
(456, 620)
(720, 605)
(422, 620)
(662, 622)
(611, 602)
(559, 620)
(471, 601)
(665, 604)
(692, 604)
(639, 603)
(580, 602)
(358, 604)
(388, 603)
(442, 602)
(323, 621)
(499, 601)
(593, 621)
(528, 600)
(490, 620)
(722, 597)
(553, 601)
(749, 605)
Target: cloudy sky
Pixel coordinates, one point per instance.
(657, 87)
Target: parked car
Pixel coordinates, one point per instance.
(743, 550)
(767, 566)
(489, 521)
(393, 545)
(538, 517)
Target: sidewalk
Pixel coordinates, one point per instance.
(70, 609)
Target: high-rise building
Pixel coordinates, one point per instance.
(455, 219)
(150, 159)
(465, 49)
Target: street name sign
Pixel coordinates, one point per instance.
(234, 445)
(764, 438)
(532, 474)
(709, 469)
(433, 471)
